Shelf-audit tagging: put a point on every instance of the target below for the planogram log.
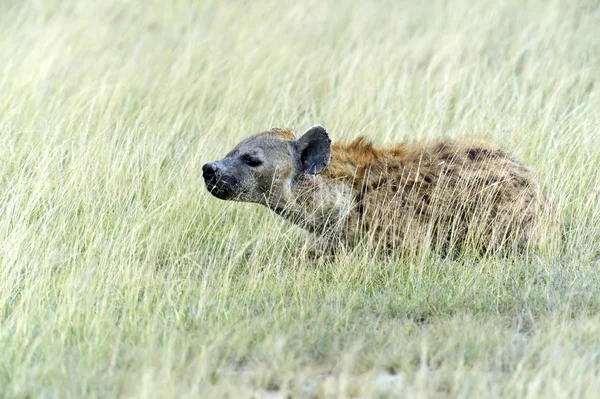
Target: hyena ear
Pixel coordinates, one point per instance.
(314, 148)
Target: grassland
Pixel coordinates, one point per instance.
(121, 277)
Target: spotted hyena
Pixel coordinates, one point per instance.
(441, 194)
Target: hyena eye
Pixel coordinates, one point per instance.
(252, 161)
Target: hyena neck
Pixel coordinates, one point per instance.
(318, 204)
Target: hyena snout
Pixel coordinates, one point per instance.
(209, 170)
(217, 183)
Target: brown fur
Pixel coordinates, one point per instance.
(465, 193)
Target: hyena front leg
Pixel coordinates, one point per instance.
(323, 247)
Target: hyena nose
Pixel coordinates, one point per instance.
(209, 170)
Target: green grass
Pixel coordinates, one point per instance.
(120, 276)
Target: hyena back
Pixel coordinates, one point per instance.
(445, 194)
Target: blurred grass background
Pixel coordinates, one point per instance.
(121, 277)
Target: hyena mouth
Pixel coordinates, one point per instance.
(217, 189)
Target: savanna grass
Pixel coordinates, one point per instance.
(120, 276)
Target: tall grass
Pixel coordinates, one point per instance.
(121, 276)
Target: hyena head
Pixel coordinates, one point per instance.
(264, 168)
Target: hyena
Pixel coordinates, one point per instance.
(449, 195)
